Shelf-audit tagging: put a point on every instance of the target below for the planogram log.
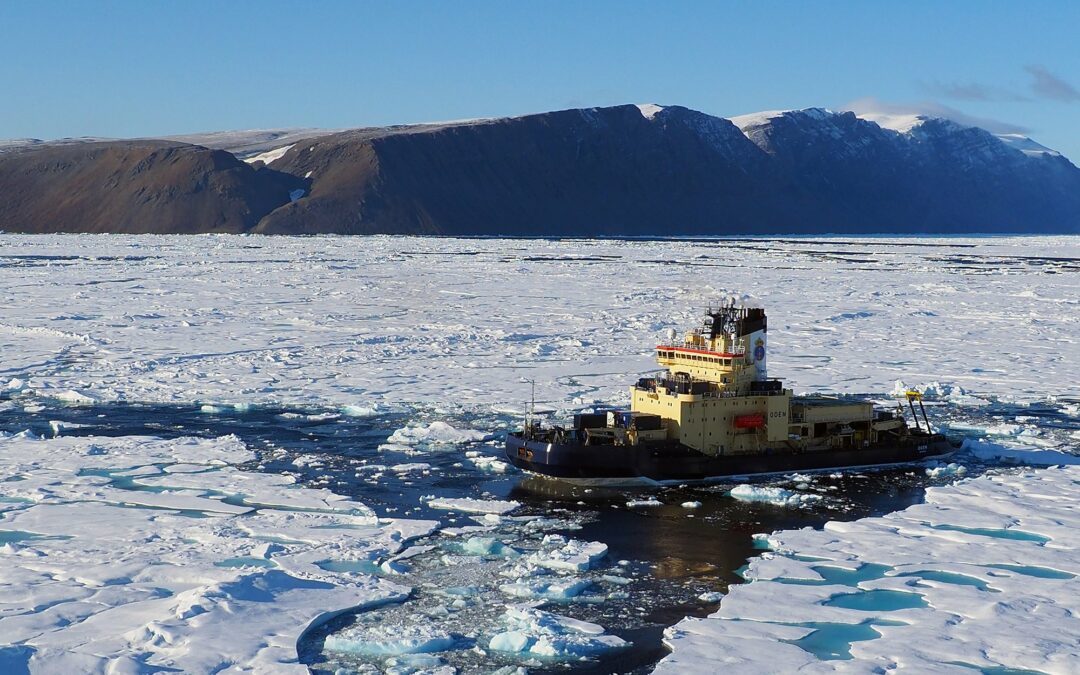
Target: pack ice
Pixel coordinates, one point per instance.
(981, 577)
(129, 554)
(359, 323)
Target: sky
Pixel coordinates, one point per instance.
(125, 69)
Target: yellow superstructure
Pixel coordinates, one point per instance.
(715, 397)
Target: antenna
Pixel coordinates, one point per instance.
(530, 411)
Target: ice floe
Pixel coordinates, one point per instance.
(116, 575)
(982, 576)
(571, 554)
(648, 502)
(468, 505)
(352, 323)
(772, 495)
(434, 433)
(549, 635)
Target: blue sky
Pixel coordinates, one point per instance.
(152, 68)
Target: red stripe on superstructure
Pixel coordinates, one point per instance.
(699, 351)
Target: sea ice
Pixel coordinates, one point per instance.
(548, 589)
(435, 433)
(489, 464)
(254, 325)
(772, 495)
(177, 579)
(572, 555)
(651, 501)
(984, 573)
(552, 636)
(950, 469)
(467, 505)
(484, 546)
(383, 640)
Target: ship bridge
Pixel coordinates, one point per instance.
(715, 396)
(728, 352)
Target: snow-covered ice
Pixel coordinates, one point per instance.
(95, 577)
(772, 495)
(468, 505)
(571, 555)
(644, 503)
(137, 553)
(435, 433)
(982, 576)
(549, 635)
(377, 321)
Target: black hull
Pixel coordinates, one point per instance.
(676, 462)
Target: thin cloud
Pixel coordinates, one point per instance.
(934, 109)
(971, 91)
(1047, 85)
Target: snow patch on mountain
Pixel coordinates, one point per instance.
(902, 123)
(269, 155)
(649, 110)
(757, 119)
(1026, 145)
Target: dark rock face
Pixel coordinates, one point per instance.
(853, 175)
(614, 171)
(600, 171)
(606, 171)
(134, 186)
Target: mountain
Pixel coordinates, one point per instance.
(135, 186)
(622, 170)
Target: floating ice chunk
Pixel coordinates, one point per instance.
(486, 546)
(390, 640)
(711, 596)
(307, 460)
(950, 469)
(210, 409)
(939, 391)
(988, 450)
(15, 384)
(59, 425)
(559, 589)
(487, 463)
(73, 397)
(651, 501)
(574, 555)
(436, 433)
(992, 430)
(539, 633)
(771, 495)
(691, 505)
(413, 466)
(467, 505)
(360, 410)
(513, 641)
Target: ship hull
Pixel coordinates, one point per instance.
(674, 462)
